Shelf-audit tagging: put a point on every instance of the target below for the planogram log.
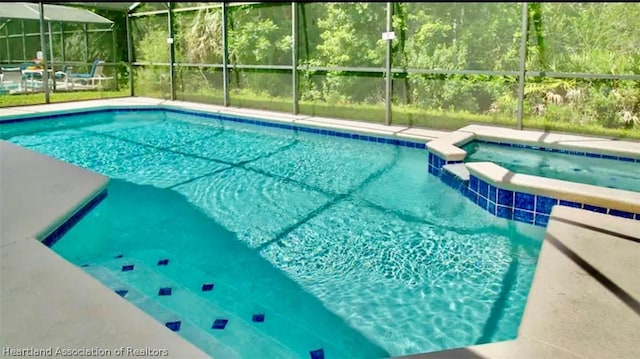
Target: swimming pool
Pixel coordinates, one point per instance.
(338, 245)
(603, 172)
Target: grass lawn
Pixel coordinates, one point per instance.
(38, 98)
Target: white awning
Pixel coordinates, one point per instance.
(57, 13)
(114, 6)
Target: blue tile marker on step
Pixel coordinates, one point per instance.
(163, 262)
(174, 326)
(317, 354)
(219, 324)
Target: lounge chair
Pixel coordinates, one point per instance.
(9, 76)
(92, 79)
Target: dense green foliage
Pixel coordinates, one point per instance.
(587, 38)
(569, 37)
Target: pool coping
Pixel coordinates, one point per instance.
(536, 138)
(523, 344)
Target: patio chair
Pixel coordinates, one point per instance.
(92, 79)
(9, 75)
(33, 80)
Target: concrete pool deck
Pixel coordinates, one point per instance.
(45, 301)
(583, 301)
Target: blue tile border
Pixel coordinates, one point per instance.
(59, 232)
(544, 204)
(436, 163)
(450, 179)
(523, 216)
(524, 201)
(514, 205)
(563, 151)
(541, 220)
(231, 118)
(624, 214)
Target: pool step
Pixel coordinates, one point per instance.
(186, 284)
(456, 176)
(238, 334)
(188, 330)
(458, 170)
(283, 327)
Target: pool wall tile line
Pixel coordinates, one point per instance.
(226, 117)
(535, 209)
(59, 232)
(563, 151)
(288, 126)
(436, 162)
(510, 204)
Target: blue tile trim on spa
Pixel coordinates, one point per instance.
(59, 232)
(567, 152)
(513, 205)
(436, 163)
(225, 117)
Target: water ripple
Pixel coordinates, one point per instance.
(255, 206)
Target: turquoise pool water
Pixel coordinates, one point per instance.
(345, 246)
(595, 171)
